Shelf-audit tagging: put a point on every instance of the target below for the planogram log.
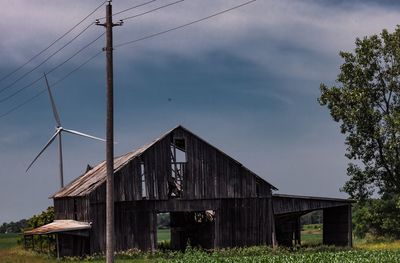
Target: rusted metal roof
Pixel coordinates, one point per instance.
(58, 226)
(93, 178)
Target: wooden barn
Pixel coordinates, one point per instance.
(213, 202)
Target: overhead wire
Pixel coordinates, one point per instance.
(37, 80)
(53, 85)
(152, 10)
(124, 44)
(51, 70)
(73, 39)
(44, 61)
(184, 25)
(52, 44)
(130, 8)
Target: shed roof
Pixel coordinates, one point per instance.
(318, 198)
(297, 204)
(93, 178)
(58, 226)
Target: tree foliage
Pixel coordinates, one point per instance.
(163, 220)
(14, 227)
(45, 217)
(366, 103)
(380, 217)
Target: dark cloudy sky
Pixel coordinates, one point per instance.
(246, 81)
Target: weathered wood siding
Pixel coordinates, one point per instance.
(98, 219)
(212, 181)
(209, 173)
(135, 228)
(72, 245)
(244, 222)
(75, 208)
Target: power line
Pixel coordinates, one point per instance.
(73, 39)
(127, 43)
(52, 44)
(53, 85)
(48, 58)
(133, 7)
(184, 25)
(130, 8)
(152, 10)
(44, 61)
(51, 70)
(79, 34)
(77, 68)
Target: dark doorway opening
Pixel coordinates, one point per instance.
(194, 228)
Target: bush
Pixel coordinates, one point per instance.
(378, 217)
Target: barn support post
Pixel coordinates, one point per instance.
(216, 226)
(350, 227)
(153, 231)
(33, 243)
(48, 244)
(57, 247)
(297, 231)
(274, 242)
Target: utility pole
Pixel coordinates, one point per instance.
(109, 134)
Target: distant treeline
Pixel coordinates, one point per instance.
(314, 217)
(163, 220)
(14, 227)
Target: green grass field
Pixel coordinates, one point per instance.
(388, 252)
(311, 234)
(163, 235)
(8, 240)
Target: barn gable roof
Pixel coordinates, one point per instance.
(93, 178)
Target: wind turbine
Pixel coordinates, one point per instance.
(58, 133)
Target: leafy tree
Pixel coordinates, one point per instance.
(13, 227)
(314, 217)
(45, 217)
(380, 217)
(163, 220)
(366, 103)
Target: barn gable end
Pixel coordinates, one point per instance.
(213, 201)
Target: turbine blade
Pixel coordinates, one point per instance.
(53, 104)
(83, 135)
(44, 148)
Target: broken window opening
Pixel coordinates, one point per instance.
(203, 217)
(178, 163)
(143, 179)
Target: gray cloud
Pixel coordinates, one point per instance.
(273, 34)
(246, 81)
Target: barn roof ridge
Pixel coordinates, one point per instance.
(91, 179)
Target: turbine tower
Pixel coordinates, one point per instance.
(58, 133)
